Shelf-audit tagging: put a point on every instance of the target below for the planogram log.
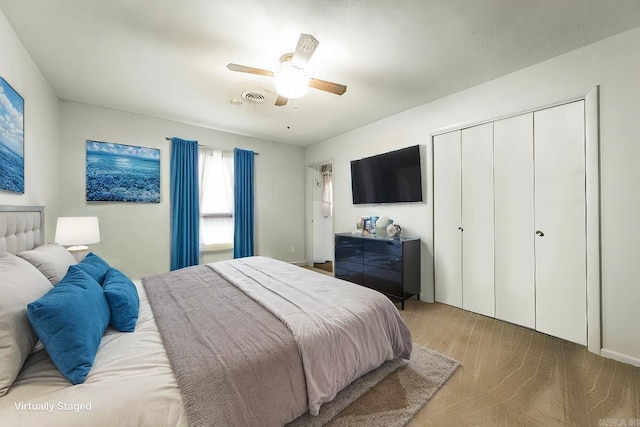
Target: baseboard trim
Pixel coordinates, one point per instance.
(620, 357)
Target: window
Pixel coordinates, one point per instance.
(215, 172)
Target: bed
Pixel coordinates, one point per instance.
(253, 341)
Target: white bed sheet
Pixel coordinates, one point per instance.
(131, 384)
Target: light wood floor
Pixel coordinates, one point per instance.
(511, 376)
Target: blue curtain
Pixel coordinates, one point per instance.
(243, 203)
(185, 205)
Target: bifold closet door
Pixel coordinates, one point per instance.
(560, 242)
(447, 220)
(514, 220)
(477, 219)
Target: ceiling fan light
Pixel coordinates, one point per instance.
(291, 81)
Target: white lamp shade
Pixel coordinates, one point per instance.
(77, 230)
(291, 81)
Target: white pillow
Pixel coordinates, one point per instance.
(52, 259)
(20, 284)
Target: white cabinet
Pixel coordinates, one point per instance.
(521, 204)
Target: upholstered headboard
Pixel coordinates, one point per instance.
(21, 228)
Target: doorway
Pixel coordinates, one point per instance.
(322, 216)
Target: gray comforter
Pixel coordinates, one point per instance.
(238, 364)
(235, 363)
(342, 330)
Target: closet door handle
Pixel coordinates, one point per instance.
(539, 233)
(460, 228)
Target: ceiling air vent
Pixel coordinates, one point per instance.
(255, 97)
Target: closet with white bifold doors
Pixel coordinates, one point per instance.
(510, 237)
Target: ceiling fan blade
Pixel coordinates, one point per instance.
(326, 86)
(281, 100)
(250, 70)
(307, 44)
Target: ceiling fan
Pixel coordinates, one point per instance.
(291, 80)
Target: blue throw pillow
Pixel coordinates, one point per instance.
(70, 320)
(94, 266)
(123, 299)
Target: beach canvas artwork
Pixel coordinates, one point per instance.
(122, 173)
(11, 139)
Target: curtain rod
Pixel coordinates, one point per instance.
(200, 145)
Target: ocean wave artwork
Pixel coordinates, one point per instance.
(122, 173)
(11, 139)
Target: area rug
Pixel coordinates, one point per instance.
(388, 396)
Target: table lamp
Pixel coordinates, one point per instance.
(77, 232)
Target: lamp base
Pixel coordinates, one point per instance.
(78, 251)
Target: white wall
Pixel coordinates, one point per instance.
(614, 64)
(135, 236)
(40, 128)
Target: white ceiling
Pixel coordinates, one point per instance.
(167, 58)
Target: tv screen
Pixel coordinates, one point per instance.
(393, 177)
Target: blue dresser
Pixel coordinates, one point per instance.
(390, 266)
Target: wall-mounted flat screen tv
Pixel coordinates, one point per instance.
(393, 177)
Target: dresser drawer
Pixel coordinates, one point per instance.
(383, 246)
(386, 281)
(342, 264)
(349, 242)
(349, 250)
(387, 261)
(349, 255)
(350, 276)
